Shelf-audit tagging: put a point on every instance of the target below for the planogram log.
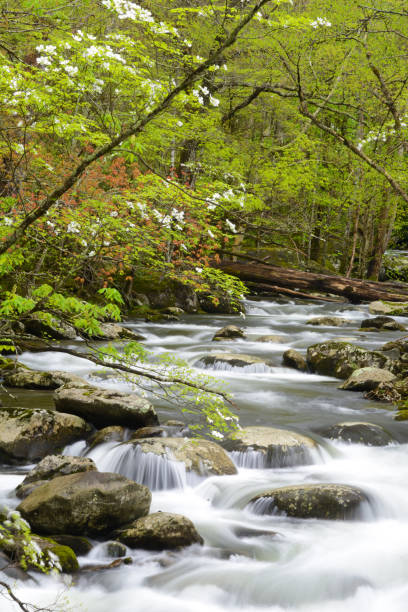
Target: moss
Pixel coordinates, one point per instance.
(69, 562)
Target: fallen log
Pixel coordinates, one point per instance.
(274, 289)
(356, 291)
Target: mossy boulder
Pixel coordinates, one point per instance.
(201, 456)
(382, 323)
(79, 544)
(24, 378)
(88, 503)
(229, 332)
(104, 407)
(54, 329)
(384, 392)
(33, 433)
(356, 432)
(340, 359)
(366, 379)
(319, 501)
(329, 321)
(279, 447)
(53, 466)
(233, 360)
(294, 359)
(115, 331)
(160, 531)
(396, 309)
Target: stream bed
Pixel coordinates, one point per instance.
(254, 562)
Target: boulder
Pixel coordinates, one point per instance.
(320, 501)
(115, 331)
(201, 456)
(173, 310)
(103, 407)
(369, 434)
(384, 392)
(329, 321)
(340, 359)
(53, 555)
(279, 447)
(294, 359)
(115, 549)
(33, 433)
(398, 347)
(51, 467)
(87, 503)
(22, 377)
(396, 309)
(276, 338)
(115, 433)
(366, 379)
(234, 360)
(229, 332)
(160, 531)
(381, 323)
(54, 329)
(80, 545)
(161, 431)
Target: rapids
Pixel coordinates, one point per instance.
(251, 561)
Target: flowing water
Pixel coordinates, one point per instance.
(252, 562)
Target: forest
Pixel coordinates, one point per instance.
(174, 163)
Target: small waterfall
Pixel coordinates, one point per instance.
(250, 459)
(254, 368)
(277, 457)
(155, 471)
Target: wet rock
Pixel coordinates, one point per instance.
(320, 501)
(162, 431)
(173, 310)
(116, 549)
(88, 503)
(235, 360)
(115, 331)
(396, 309)
(103, 407)
(24, 378)
(201, 456)
(340, 359)
(273, 338)
(229, 332)
(160, 531)
(115, 433)
(384, 392)
(33, 433)
(401, 386)
(218, 302)
(80, 545)
(366, 379)
(51, 467)
(279, 447)
(54, 329)
(399, 347)
(369, 434)
(329, 321)
(382, 323)
(294, 359)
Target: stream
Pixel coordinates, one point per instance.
(253, 562)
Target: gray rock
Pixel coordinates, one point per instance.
(340, 359)
(24, 378)
(115, 331)
(229, 332)
(369, 434)
(103, 407)
(33, 433)
(80, 545)
(51, 467)
(160, 531)
(88, 503)
(382, 323)
(201, 456)
(366, 379)
(329, 321)
(279, 447)
(116, 549)
(389, 308)
(384, 392)
(115, 433)
(320, 501)
(294, 359)
(235, 360)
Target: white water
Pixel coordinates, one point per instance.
(253, 562)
